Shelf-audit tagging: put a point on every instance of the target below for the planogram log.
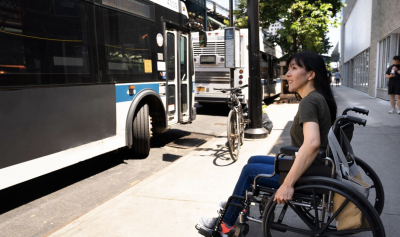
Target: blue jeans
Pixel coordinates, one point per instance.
(255, 165)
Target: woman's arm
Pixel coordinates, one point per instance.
(305, 156)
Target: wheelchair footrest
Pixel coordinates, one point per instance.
(240, 230)
(207, 232)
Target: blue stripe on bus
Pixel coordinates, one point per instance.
(122, 95)
(278, 80)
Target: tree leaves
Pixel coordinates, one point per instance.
(305, 22)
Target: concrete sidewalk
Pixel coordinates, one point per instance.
(170, 202)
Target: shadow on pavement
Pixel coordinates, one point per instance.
(170, 157)
(213, 109)
(284, 139)
(221, 154)
(160, 140)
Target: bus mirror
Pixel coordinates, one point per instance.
(202, 39)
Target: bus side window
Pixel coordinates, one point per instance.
(44, 43)
(171, 56)
(183, 57)
(127, 46)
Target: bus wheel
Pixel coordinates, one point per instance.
(141, 132)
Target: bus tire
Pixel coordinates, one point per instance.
(141, 132)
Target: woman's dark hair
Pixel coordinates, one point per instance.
(313, 62)
(397, 58)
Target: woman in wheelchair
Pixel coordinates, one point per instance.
(317, 110)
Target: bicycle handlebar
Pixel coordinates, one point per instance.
(224, 90)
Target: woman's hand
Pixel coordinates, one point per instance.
(284, 194)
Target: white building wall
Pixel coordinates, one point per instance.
(358, 29)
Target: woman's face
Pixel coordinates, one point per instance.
(297, 77)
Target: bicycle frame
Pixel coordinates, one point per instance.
(234, 132)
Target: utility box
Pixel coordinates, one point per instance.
(232, 47)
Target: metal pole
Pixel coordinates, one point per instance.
(232, 70)
(231, 13)
(205, 28)
(255, 129)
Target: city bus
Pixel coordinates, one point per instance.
(79, 78)
(211, 73)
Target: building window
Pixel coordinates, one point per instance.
(384, 62)
(361, 69)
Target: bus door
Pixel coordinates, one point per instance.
(178, 89)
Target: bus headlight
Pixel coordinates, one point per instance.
(222, 59)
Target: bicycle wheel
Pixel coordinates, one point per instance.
(233, 135)
(242, 125)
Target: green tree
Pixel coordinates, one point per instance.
(226, 22)
(305, 22)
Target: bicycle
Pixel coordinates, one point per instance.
(236, 121)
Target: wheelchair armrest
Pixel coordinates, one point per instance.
(289, 150)
(292, 151)
(283, 165)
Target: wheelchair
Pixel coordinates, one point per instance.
(312, 201)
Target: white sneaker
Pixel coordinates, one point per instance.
(398, 111)
(209, 224)
(392, 111)
(222, 204)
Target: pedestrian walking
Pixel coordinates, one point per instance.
(393, 73)
(337, 78)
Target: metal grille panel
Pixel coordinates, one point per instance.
(212, 48)
(212, 77)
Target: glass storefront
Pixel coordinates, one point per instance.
(388, 48)
(361, 69)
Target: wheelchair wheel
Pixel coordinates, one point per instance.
(377, 195)
(233, 135)
(313, 192)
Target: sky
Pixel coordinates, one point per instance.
(224, 3)
(334, 33)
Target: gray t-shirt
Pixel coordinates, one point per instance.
(312, 108)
